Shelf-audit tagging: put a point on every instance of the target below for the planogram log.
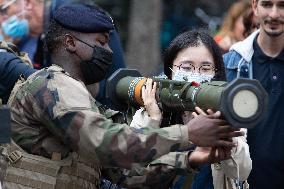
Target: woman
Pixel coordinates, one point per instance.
(194, 56)
(232, 29)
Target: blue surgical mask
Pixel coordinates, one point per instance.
(15, 27)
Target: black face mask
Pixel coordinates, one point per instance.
(95, 69)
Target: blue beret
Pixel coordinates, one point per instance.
(83, 18)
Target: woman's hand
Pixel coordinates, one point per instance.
(202, 155)
(149, 99)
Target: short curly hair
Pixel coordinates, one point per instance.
(54, 35)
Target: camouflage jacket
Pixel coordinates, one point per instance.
(53, 112)
(159, 173)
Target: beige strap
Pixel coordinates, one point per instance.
(56, 156)
(82, 173)
(13, 147)
(22, 164)
(14, 156)
(28, 182)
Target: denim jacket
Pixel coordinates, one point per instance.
(238, 61)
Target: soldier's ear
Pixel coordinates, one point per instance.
(69, 43)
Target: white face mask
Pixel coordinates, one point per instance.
(191, 76)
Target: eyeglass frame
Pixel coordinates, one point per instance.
(5, 5)
(194, 68)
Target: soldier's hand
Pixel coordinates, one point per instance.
(149, 99)
(211, 131)
(202, 155)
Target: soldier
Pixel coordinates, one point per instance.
(64, 135)
(13, 64)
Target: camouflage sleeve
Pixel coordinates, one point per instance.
(174, 160)
(69, 112)
(158, 174)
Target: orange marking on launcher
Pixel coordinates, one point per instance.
(138, 91)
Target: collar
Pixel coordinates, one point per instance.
(245, 47)
(262, 57)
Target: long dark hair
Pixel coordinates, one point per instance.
(194, 38)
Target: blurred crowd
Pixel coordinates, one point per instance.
(54, 111)
(23, 23)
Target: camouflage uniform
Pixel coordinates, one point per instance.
(53, 114)
(159, 173)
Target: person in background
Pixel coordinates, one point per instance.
(38, 17)
(1, 35)
(232, 28)
(14, 23)
(35, 14)
(250, 22)
(15, 26)
(12, 67)
(1, 32)
(261, 56)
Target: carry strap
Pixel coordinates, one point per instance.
(28, 182)
(42, 173)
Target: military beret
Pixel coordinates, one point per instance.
(83, 18)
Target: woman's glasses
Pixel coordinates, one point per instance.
(204, 69)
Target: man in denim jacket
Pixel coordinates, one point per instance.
(261, 57)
